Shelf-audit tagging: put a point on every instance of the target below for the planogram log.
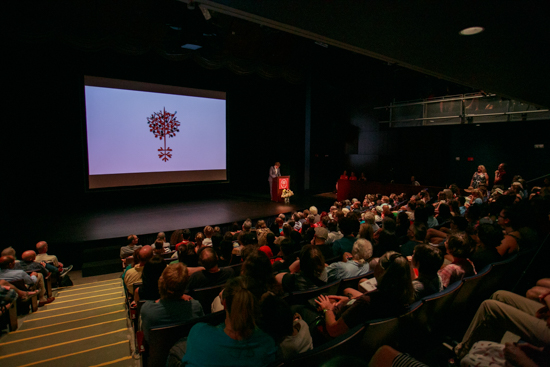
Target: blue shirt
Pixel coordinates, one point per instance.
(210, 346)
(348, 269)
(13, 275)
(167, 312)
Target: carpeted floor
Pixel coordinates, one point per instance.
(86, 325)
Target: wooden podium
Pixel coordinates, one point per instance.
(279, 184)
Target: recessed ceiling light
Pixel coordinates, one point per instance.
(471, 31)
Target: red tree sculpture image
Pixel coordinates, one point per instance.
(163, 124)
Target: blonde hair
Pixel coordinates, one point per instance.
(241, 306)
(483, 169)
(173, 281)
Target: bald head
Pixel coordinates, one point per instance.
(145, 254)
(29, 255)
(42, 247)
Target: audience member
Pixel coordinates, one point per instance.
(488, 237)
(394, 293)
(354, 264)
(211, 275)
(349, 228)
(417, 235)
(427, 260)
(173, 307)
(186, 234)
(237, 342)
(312, 272)
(459, 246)
(131, 246)
(33, 281)
(134, 275)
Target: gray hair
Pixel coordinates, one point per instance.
(369, 217)
(362, 250)
(313, 210)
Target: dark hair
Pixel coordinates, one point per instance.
(187, 255)
(444, 213)
(389, 225)
(460, 222)
(312, 262)
(459, 245)
(186, 233)
(150, 278)
(490, 234)
(277, 317)
(348, 226)
(455, 207)
(258, 271)
(287, 250)
(176, 237)
(332, 225)
(396, 281)
(420, 230)
(428, 259)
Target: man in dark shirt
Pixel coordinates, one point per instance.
(212, 275)
(28, 263)
(489, 236)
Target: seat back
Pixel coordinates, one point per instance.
(342, 345)
(377, 333)
(436, 306)
(168, 255)
(236, 268)
(465, 301)
(301, 298)
(163, 338)
(497, 279)
(206, 296)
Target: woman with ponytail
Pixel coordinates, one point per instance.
(236, 342)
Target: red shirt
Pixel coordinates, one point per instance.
(343, 177)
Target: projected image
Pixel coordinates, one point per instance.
(125, 121)
(163, 124)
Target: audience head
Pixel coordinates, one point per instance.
(159, 246)
(208, 231)
(419, 231)
(388, 224)
(393, 274)
(28, 256)
(312, 262)
(247, 226)
(42, 247)
(313, 210)
(509, 218)
(186, 233)
(349, 226)
(459, 245)
(241, 307)
(427, 259)
(362, 250)
(199, 238)
(332, 225)
(131, 240)
(173, 281)
(8, 251)
(7, 262)
(277, 318)
(257, 267)
(287, 250)
(321, 235)
(145, 254)
(366, 232)
(153, 269)
(490, 235)
(208, 258)
(161, 236)
(176, 237)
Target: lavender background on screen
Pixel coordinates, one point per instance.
(119, 140)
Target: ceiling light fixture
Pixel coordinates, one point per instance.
(471, 31)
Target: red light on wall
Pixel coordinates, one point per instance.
(470, 159)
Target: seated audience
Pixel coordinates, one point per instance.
(211, 275)
(152, 271)
(186, 234)
(427, 260)
(333, 233)
(131, 246)
(394, 293)
(161, 236)
(42, 249)
(319, 240)
(173, 307)
(354, 264)
(506, 311)
(281, 265)
(488, 237)
(288, 331)
(134, 275)
(508, 219)
(459, 246)
(238, 341)
(32, 281)
(312, 272)
(417, 235)
(349, 228)
(208, 232)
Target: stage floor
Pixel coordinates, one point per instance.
(114, 222)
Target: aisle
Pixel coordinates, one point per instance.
(86, 325)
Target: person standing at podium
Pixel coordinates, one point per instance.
(274, 172)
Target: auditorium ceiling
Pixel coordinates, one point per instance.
(276, 38)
